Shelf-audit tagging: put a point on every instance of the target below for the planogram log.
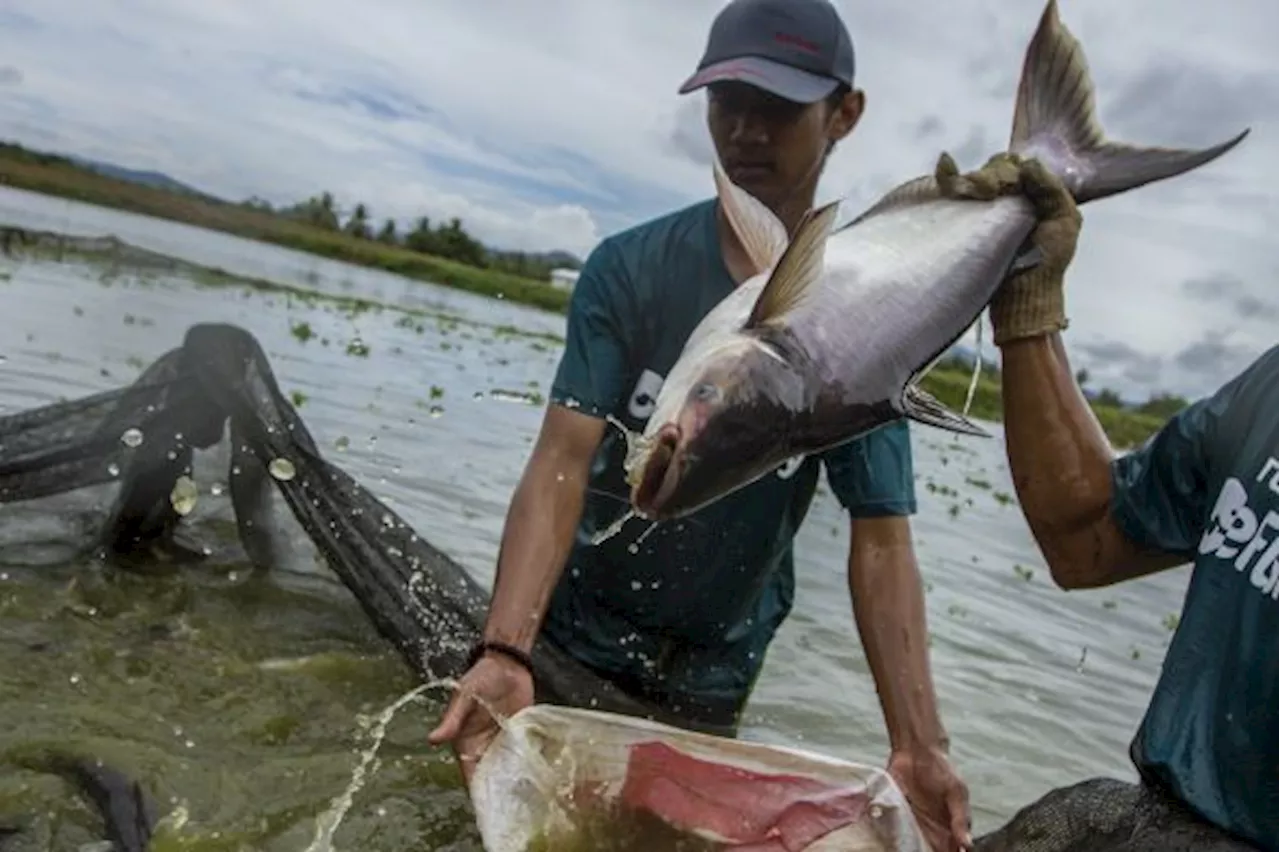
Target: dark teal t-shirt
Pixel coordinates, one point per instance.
(1205, 486)
(685, 614)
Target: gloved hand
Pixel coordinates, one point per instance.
(1029, 303)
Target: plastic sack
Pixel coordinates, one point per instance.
(567, 779)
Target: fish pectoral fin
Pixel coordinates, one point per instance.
(799, 268)
(762, 234)
(922, 407)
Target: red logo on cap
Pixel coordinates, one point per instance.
(796, 41)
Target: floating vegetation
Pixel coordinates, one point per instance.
(298, 398)
(1023, 572)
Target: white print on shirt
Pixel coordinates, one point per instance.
(644, 399)
(1236, 535)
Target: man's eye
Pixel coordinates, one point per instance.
(705, 392)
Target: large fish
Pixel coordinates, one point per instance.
(829, 339)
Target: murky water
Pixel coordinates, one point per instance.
(181, 680)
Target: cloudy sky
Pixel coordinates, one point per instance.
(550, 124)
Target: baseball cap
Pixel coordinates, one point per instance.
(797, 49)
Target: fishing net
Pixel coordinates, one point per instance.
(217, 388)
(566, 779)
(1107, 815)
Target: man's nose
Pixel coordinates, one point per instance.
(748, 127)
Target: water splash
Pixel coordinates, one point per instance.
(634, 547)
(601, 536)
(183, 496)
(282, 469)
(132, 437)
(327, 823)
(637, 447)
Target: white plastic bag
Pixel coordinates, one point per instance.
(553, 772)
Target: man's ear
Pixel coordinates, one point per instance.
(847, 114)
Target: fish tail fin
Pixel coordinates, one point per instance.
(762, 234)
(1055, 121)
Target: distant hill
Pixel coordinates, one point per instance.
(155, 179)
(161, 181)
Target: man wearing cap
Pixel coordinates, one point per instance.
(683, 617)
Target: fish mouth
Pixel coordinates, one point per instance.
(661, 473)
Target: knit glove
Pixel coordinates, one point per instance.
(1029, 303)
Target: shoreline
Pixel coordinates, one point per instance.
(238, 220)
(949, 382)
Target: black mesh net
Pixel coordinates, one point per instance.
(1107, 815)
(217, 389)
(217, 385)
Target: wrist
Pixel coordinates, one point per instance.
(509, 653)
(923, 739)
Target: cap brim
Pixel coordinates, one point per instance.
(775, 78)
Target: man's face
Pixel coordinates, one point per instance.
(771, 147)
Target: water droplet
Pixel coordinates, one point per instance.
(183, 496)
(282, 469)
(132, 437)
(217, 488)
(113, 469)
(636, 585)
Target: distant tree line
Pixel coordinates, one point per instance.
(443, 239)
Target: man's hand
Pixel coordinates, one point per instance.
(938, 798)
(492, 685)
(1030, 303)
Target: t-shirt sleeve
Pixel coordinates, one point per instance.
(872, 476)
(592, 373)
(1159, 490)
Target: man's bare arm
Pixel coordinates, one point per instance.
(889, 608)
(540, 524)
(1060, 460)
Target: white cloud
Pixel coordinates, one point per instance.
(550, 124)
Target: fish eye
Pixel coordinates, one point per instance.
(706, 392)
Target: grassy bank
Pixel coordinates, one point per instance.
(950, 384)
(52, 176)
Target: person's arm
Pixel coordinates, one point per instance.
(889, 609)
(548, 501)
(1063, 469)
(540, 525)
(873, 479)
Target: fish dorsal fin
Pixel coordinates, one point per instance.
(799, 268)
(922, 407)
(915, 191)
(762, 234)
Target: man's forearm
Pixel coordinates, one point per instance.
(1059, 457)
(889, 608)
(535, 543)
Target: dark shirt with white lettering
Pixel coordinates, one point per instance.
(1205, 486)
(683, 613)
